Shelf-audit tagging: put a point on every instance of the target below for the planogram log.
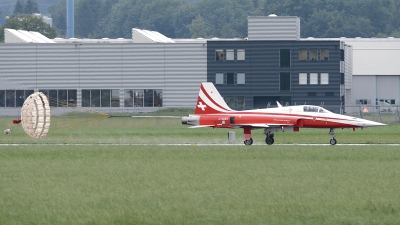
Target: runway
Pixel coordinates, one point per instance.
(193, 144)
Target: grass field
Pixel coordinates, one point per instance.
(43, 183)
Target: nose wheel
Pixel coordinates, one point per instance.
(333, 139)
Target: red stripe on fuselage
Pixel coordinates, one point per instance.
(289, 119)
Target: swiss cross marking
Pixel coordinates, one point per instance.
(203, 107)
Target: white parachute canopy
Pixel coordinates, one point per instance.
(35, 115)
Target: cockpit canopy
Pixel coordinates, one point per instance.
(312, 108)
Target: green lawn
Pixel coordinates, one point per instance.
(42, 183)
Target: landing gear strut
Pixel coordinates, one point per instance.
(333, 140)
(269, 137)
(247, 136)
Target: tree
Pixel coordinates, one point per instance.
(182, 18)
(198, 28)
(31, 7)
(59, 15)
(29, 23)
(19, 7)
(87, 15)
(158, 15)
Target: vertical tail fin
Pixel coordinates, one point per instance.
(210, 101)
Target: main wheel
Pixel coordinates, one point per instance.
(248, 142)
(269, 140)
(333, 141)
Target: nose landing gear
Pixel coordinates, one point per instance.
(333, 139)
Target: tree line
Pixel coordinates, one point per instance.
(227, 18)
(23, 19)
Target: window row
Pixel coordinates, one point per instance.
(230, 78)
(369, 102)
(13, 98)
(237, 103)
(229, 54)
(90, 98)
(314, 94)
(313, 78)
(143, 98)
(132, 98)
(314, 54)
(61, 98)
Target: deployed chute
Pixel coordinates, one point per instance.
(35, 115)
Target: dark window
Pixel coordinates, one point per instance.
(105, 98)
(85, 98)
(128, 99)
(10, 98)
(219, 55)
(158, 98)
(115, 98)
(138, 98)
(311, 94)
(240, 103)
(341, 54)
(62, 98)
(20, 98)
(284, 58)
(284, 81)
(325, 54)
(52, 98)
(342, 78)
(148, 98)
(313, 54)
(2, 98)
(230, 78)
(95, 98)
(329, 94)
(72, 98)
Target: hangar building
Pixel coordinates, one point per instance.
(151, 71)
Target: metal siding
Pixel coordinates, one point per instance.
(376, 56)
(387, 87)
(178, 69)
(18, 65)
(362, 83)
(348, 57)
(262, 68)
(185, 69)
(273, 28)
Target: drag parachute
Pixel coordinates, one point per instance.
(35, 115)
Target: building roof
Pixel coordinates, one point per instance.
(23, 36)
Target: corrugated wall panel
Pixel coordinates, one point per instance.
(186, 68)
(178, 69)
(18, 65)
(273, 28)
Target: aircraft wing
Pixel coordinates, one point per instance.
(200, 126)
(263, 125)
(255, 125)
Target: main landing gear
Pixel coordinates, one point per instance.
(269, 139)
(333, 140)
(248, 142)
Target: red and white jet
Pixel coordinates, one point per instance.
(212, 111)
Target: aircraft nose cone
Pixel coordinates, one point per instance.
(368, 123)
